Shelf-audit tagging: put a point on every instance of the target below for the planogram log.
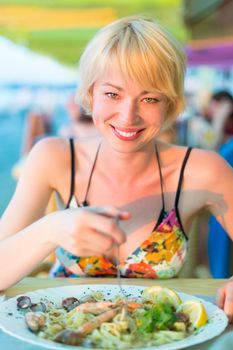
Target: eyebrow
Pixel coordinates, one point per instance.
(115, 86)
(120, 89)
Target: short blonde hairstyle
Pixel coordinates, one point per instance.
(144, 51)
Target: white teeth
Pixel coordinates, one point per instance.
(126, 134)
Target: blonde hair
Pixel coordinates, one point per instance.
(144, 51)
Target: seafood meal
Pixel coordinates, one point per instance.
(157, 317)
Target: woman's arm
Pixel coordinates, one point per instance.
(22, 252)
(23, 231)
(27, 237)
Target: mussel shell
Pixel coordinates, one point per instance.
(72, 306)
(39, 307)
(70, 303)
(68, 337)
(87, 343)
(35, 321)
(23, 302)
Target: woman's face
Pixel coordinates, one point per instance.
(127, 116)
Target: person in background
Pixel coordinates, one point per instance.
(80, 124)
(221, 112)
(37, 126)
(212, 126)
(128, 196)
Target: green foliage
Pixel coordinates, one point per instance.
(66, 45)
(158, 317)
(93, 3)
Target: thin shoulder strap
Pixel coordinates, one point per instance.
(85, 202)
(161, 178)
(181, 177)
(72, 180)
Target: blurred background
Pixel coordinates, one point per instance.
(40, 45)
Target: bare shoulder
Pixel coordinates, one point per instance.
(203, 166)
(58, 148)
(54, 155)
(208, 168)
(49, 146)
(210, 161)
(57, 152)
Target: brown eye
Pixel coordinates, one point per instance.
(151, 100)
(111, 95)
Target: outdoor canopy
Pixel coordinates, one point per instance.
(20, 65)
(219, 54)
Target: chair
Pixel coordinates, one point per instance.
(219, 250)
(220, 247)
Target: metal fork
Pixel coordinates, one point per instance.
(123, 293)
(119, 272)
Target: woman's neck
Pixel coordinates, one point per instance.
(127, 167)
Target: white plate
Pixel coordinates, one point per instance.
(12, 320)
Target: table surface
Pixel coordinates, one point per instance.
(206, 288)
(192, 286)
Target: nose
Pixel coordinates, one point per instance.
(129, 112)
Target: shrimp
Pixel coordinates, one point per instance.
(94, 308)
(76, 337)
(94, 323)
(131, 305)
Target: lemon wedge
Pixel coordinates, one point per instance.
(158, 294)
(196, 312)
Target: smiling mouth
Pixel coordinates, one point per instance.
(127, 134)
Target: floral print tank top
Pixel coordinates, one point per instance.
(161, 255)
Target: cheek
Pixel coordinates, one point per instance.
(95, 109)
(95, 118)
(158, 117)
(163, 114)
(101, 110)
(98, 114)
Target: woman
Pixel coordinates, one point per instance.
(131, 81)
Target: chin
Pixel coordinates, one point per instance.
(128, 147)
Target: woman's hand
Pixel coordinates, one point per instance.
(225, 299)
(89, 231)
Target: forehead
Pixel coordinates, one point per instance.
(114, 77)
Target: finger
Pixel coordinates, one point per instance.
(90, 252)
(106, 225)
(228, 309)
(111, 212)
(124, 215)
(220, 300)
(85, 248)
(228, 304)
(99, 241)
(85, 253)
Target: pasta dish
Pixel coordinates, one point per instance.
(157, 317)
